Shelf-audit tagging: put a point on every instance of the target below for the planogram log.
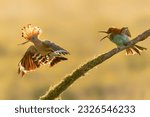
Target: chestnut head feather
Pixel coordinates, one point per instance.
(112, 30)
(30, 31)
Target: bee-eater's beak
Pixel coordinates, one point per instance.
(105, 36)
(23, 43)
(103, 32)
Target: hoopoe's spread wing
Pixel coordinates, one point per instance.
(27, 63)
(31, 60)
(56, 49)
(57, 53)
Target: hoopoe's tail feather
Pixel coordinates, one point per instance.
(136, 49)
(30, 31)
(57, 60)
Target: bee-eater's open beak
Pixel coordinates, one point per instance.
(103, 32)
(105, 36)
(23, 43)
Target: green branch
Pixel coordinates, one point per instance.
(59, 88)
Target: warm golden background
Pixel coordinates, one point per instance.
(73, 24)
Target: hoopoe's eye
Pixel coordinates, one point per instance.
(33, 38)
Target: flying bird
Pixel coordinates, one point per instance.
(40, 53)
(121, 37)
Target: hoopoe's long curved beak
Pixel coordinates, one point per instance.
(105, 36)
(23, 43)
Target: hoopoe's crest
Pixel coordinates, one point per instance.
(120, 37)
(41, 53)
(30, 31)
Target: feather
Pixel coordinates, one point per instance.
(30, 31)
(56, 60)
(140, 47)
(136, 50)
(55, 48)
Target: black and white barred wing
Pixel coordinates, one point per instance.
(56, 49)
(58, 52)
(31, 60)
(27, 63)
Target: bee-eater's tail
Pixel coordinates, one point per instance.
(135, 50)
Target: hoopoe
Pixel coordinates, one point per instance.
(40, 53)
(120, 37)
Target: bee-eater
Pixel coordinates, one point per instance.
(40, 53)
(120, 37)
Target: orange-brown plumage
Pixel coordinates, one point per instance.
(30, 31)
(41, 53)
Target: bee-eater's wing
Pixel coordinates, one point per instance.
(125, 30)
(57, 52)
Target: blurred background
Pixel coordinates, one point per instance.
(74, 25)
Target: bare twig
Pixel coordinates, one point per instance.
(56, 90)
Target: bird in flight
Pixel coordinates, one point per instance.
(121, 37)
(40, 53)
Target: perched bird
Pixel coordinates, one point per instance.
(40, 53)
(120, 37)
